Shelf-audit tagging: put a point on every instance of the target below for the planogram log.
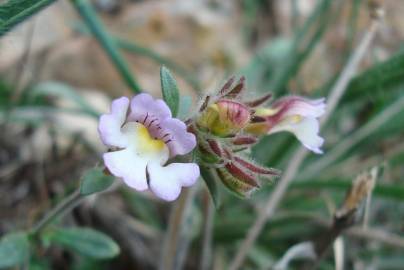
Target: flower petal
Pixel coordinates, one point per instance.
(306, 132)
(144, 104)
(166, 182)
(180, 141)
(110, 124)
(295, 105)
(128, 166)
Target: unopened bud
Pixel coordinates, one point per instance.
(241, 188)
(256, 168)
(215, 147)
(243, 140)
(241, 174)
(225, 117)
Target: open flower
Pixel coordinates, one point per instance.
(142, 137)
(294, 114)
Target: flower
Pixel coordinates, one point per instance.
(294, 114)
(142, 136)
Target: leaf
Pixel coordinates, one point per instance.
(85, 241)
(15, 11)
(374, 81)
(14, 249)
(95, 180)
(211, 183)
(170, 91)
(394, 192)
(185, 107)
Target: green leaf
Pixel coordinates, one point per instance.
(14, 249)
(394, 192)
(85, 241)
(15, 11)
(185, 107)
(170, 91)
(376, 80)
(95, 180)
(211, 183)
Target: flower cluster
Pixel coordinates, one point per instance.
(228, 125)
(142, 136)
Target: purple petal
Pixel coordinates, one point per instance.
(295, 105)
(109, 126)
(128, 166)
(180, 140)
(143, 105)
(166, 182)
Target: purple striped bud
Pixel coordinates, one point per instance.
(256, 168)
(215, 147)
(228, 91)
(234, 184)
(241, 174)
(259, 101)
(243, 140)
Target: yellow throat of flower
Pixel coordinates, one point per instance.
(147, 144)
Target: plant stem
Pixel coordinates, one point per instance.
(59, 210)
(334, 97)
(206, 254)
(88, 14)
(177, 237)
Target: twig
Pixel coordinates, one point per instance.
(350, 70)
(206, 255)
(338, 247)
(279, 191)
(303, 250)
(345, 216)
(176, 240)
(65, 206)
(372, 234)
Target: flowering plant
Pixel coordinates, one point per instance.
(143, 137)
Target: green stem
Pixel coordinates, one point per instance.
(88, 14)
(61, 209)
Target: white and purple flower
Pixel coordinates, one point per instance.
(294, 114)
(142, 136)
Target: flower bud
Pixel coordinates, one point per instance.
(242, 174)
(224, 118)
(244, 140)
(241, 188)
(256, 168)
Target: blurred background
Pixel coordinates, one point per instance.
(55, 79)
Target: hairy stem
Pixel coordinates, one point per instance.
(61, 209)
